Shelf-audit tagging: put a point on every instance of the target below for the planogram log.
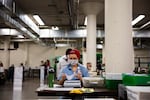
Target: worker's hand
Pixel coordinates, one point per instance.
(79, 76)
(63, 76)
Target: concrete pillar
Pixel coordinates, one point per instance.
(7, 52)
(119, 54)
(84, 57)
(103, 54)
(91, 40)
(91, 9)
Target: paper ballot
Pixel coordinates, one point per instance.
(72, 83)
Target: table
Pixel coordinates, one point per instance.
(98, 93)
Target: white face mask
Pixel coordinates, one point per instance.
(73, 62)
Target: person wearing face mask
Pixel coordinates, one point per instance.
(74, 70)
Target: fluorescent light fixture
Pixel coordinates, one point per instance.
(145, 25)
(99, 46)
(23, 29)
(139, 18)
(55, 28)
(20, 36)
(38, 19)
(85, 21)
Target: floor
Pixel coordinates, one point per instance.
(27, 93)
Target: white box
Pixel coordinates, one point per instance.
(114, 76)
(138, 92)
(93, 82)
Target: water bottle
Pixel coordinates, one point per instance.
(79, 71)
(51, 77)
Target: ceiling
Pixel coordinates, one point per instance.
(68, 13)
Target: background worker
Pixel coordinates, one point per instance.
(63, 61)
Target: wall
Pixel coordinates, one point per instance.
(31, 54)
(36, 53)
(144, 55)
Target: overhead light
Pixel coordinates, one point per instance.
(101, 42)
(139, 18)
(38, 19)
(55, 28)
(99, 46)
(145, 25)
(85, 21)
(23, 29)
(20, 36)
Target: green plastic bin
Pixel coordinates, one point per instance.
(136, 79)
(112, 84)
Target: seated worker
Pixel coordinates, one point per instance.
(74, 70)
(89, 66)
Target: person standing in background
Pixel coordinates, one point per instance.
(2, 74)
(46, 67)
(42, 63)
(11, 73)
(63, 61)
(48, 63)
(1, 67)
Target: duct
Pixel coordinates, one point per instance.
(141, 34)
(76, 13)
(73, 11)
(48, 33)
(24, 18)
(11, 22)
(22, 40)
(6, 4)
(9, 6)
(69, 4)
(7, 31)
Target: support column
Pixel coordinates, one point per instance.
(119, 54)
(84, 57)
(91, 9)
(103, 54)
(91, 40)
(7, 52)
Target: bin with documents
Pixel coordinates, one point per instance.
(136, 79)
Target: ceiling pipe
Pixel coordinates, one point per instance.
(70, 11)
(7, 16)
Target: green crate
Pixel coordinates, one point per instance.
(136, 79)
(112, 84)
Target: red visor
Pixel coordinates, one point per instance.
(75, 51)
